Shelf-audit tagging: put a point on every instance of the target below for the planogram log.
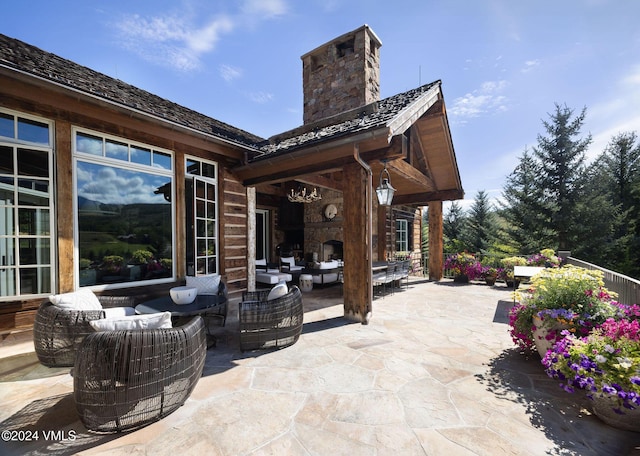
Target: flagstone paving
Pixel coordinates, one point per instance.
(434, 373)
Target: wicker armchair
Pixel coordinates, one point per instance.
(124, 380)
(270, 324)
(58, 332)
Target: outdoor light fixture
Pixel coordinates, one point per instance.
(301, 196)
(385, 191)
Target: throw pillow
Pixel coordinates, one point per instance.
(278, 291)
(83, 299)
(114, 312)
(206, 284)
(149, 321)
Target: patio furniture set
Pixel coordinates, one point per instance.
(320, 273)
(135, 364)
(387, 274)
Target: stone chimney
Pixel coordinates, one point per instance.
(341, 75)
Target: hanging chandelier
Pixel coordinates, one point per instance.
(301, 196)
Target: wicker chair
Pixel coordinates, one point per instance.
(124, 380)
(270, 324)
(58, 332)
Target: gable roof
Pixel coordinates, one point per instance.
(383, 113)
(25, 58)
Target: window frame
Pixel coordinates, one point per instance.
(127, 165)
(15, 144)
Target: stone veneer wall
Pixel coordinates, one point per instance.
(341, 75)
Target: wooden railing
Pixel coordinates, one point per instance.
(628, 289)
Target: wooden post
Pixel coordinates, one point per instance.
(64, 201)
(251, 238)
(436, 244)
(357, 227)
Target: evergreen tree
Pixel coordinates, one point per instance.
(479, 228)
(561, 157)
(452, 226)
(527, 222)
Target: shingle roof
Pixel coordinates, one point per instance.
(32, 60)
(29, 59)
(372, 116)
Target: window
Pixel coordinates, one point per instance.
(402, 235)
(124, 210)
(201, 194)
(27, 247)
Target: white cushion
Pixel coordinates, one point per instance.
(147, 321)
(83, 299)
(206, 284)
(278, 291)
(291, 261)
(261, 262)
(114, 312)
(328, 264)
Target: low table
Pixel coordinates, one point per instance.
(200, 306)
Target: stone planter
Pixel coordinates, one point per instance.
(545, 335)
(603, 408)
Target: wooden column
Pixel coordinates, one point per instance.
(251, 238)
(436, 243)
(64, 202)
(358, 286)
(382, 232)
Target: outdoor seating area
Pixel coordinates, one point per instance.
(386, 274)
(406, 383)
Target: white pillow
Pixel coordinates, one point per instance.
(114, 312)
(148, 321)
(83, 299)
(278, 291)
(261, 262)
(206, 284)
(290, 260)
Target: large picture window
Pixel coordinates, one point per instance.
(124, 210)
(27, 254)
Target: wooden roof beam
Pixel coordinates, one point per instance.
(424, 198)
(410, 173)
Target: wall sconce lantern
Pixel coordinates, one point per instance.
(385, 191)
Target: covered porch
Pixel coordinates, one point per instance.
(434, 373)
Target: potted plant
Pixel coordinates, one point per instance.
(606, 365)
(546, 258)
(509, 263)
(570, 298)
(464, 267)
(490, 275)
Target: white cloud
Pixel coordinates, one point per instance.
(486, 99)
(179, 40)
(171, 40)
(530, 65)
(229, 72)
(260, 97)
(265, 8)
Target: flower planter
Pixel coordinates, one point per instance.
(491, 281)
(545, 335)
(462, 278)
(604, 407)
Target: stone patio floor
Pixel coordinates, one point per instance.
(434, 373)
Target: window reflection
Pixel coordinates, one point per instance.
(125, 225)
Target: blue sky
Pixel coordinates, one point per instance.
(503, 63)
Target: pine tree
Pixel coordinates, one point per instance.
(561, 156)
(452, 227)
(527, 220)
(479, 228)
